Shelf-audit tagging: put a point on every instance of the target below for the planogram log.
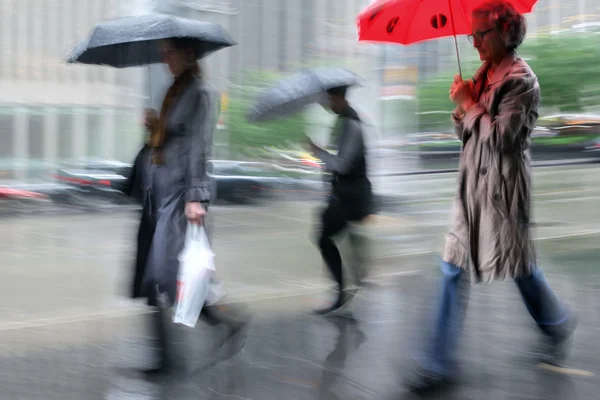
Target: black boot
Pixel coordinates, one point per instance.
(230, 315)
(158, 329)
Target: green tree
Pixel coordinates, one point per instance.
(246, 137)
(434, 105)
(566, 66)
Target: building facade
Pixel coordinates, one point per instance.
(52, 112)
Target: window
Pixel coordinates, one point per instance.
(283, 36)
(95, 134)
(307, 29)
(6, 132)
(65, 135)
(128, 135)
(36, 142)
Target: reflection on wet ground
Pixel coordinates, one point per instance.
(67, 331)
(294, 355)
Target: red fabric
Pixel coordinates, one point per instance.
(412, 21)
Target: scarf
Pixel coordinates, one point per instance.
(158, 134)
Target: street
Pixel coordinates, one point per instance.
(66, 278)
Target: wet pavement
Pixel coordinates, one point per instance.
(68, 332)
(294, 355)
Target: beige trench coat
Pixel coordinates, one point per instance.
(490, 235)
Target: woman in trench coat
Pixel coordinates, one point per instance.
(170, 178)
(490, 235)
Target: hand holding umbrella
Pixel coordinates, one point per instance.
(461, 93)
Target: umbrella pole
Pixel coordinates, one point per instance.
(457, 55)
(455, 39)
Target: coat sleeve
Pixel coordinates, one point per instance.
(457, 121)
(198, 183)
(517, 108)
(351, 145)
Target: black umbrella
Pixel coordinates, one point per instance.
(291, 94)
(132, 41)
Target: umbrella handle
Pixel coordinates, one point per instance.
(455, 40)
(457, 55)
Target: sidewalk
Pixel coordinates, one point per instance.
(298, 356)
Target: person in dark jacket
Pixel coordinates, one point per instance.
(351, 196)
(170, 179)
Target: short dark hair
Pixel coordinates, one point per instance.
(508, 21)
(338, 91)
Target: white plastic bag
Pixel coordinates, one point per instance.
(196, 284)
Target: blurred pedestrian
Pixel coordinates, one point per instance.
(175, 188)
(351, 196)
(490, 235)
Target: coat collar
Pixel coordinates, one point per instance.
(501, 72)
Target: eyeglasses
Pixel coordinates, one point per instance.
(479, 35)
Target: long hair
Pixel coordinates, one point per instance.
(158, 134)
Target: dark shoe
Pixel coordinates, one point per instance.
(558, 346)
(235, 318)
(326, 310)
(154, 371)
(237, 337)
(341, 304)
(421, 381)
(338, 305)
(163, 369)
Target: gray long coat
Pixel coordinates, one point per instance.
(182, 177)
(490, 234)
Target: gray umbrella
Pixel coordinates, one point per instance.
(132, 41)
(291, 94)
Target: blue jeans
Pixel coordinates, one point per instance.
(541, 302)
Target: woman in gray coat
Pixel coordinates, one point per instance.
(172, 173)
(490, 235)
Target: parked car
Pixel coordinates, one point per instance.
(556, 137)
(593, 148)
(237, 182)
(18, 198)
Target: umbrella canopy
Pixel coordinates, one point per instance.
(293, 93)
(412, 21)
(132, 41)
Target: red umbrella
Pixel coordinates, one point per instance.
(411, 21)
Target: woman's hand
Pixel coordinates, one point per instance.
(461, 93)
(194, 212)
(150, 118)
